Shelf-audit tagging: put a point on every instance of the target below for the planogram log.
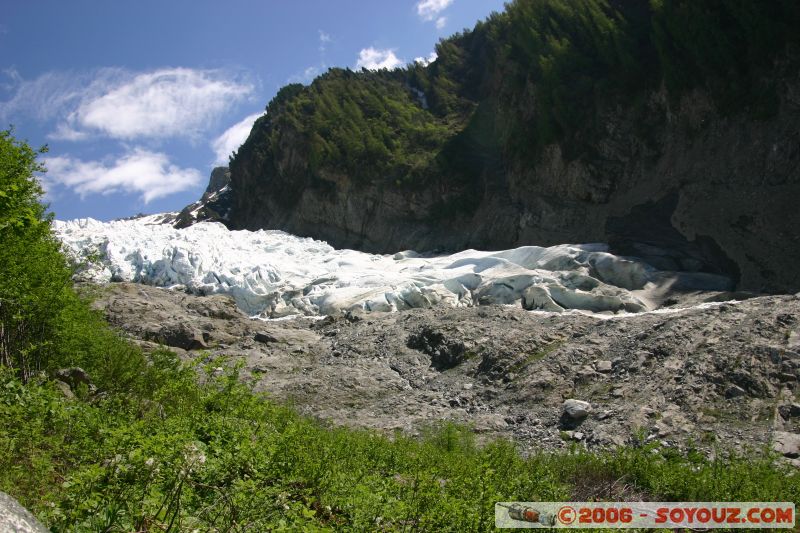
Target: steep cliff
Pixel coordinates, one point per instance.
(214, 205)
(670, 130)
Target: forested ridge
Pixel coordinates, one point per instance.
(529, 76)
(639, 124)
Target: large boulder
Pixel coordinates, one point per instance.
(574, 412)
(74, 377)
(786, 444)
(182, 335)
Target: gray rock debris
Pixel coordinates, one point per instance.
(670, 370)
(735, 391)
(14, 518)
(791, 410)
(786, 444)
(444, 353)
(604, 366)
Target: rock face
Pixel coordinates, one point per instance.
(14, 518)
(701, 192)
(698, 176)
(507, 371)
(687, 179)
(214, 205)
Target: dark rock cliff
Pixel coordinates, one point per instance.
(694, 190)
(214, 205)
(673, 177)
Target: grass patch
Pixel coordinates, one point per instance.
(200, 450)
(537, 355)
(708, 437)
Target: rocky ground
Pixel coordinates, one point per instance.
(716, 374)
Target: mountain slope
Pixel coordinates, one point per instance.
(668, 129)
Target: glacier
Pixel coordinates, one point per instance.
(272, 274)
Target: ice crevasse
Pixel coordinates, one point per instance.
(274, 274)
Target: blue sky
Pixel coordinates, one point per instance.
(137, 101)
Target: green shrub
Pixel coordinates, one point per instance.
(204, 451)
(44, 324)
(34, 278)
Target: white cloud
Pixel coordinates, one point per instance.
(307, 75)
(324, 39)
(49, 96)
(430, 9)
(65, 132)
(232, 138)
(14, 79)
(165, 103)
(426, 60)
(173, 102)
(139, 171)
(440, 22)
(374, 59)
(311, 72)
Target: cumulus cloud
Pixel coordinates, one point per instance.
(116, 103)
(440, 22)
(139, 171)
(164, 103)
(430, 9)
(425, 61)
(232, 138)
(375, 59)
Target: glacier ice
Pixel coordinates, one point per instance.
(273, 274)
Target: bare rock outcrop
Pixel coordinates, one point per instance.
(663, 375)
(14, 518)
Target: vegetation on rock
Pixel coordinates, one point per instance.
(536, 74)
